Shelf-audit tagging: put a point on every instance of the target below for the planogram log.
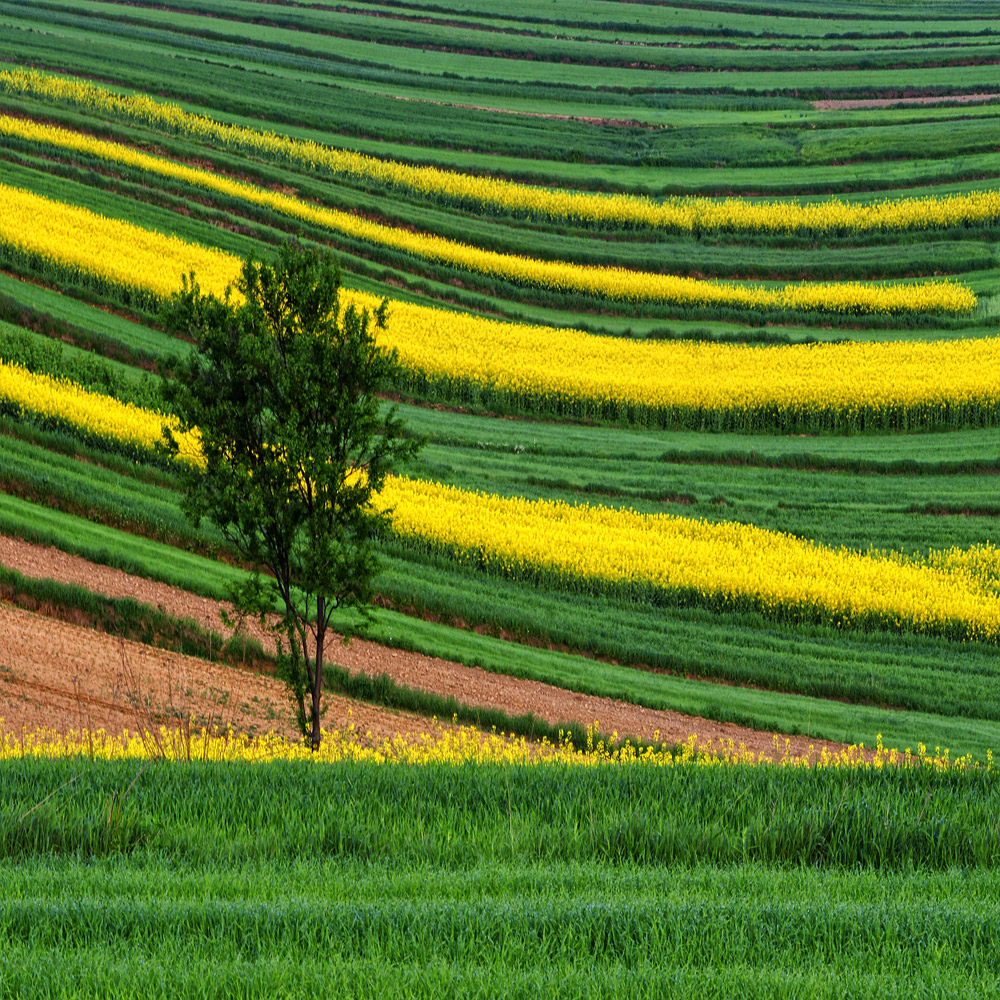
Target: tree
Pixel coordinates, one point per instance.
(283, 389)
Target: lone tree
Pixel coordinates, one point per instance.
(283, 388)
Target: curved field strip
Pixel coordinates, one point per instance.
(725, 564)
(688, 383)
(319, 36)
(567, 154)
(253, 42)
(690, 214)
(613, 283)
(850, 383)
(470, 685)
(788, 24)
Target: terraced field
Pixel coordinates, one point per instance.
(698, 312)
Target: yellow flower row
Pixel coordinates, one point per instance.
(567, 364)
(104, 416)
(688, 214)
(608, 282)
(458, 745)
(117, 251)
(724, 563)
(848, 379)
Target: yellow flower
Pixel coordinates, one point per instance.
(454, 745)
(844, 379)
(688, 214)
(607, 282)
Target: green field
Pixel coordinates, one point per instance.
(289, 879)
(495, 880)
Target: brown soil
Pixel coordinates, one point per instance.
(891, 102)
(470, 685)
(56, 675)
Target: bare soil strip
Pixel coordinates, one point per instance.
(891, 102)
(56, 675)
(470, 685)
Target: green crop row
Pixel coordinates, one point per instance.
(496, 927)
(292, 91)
(328, 37)
(325, 55)
(895, 818)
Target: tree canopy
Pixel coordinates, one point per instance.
(284, 389)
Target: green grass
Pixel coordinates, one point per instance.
(496, 927)
(215, 880)
(58, 315)
(951, 451)
(220, 814)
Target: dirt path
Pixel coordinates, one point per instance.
(891, 102)
(470, 685)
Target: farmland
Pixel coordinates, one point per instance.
(698, 315)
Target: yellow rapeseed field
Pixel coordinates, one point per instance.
(104, 416)
(517, 358)
(726, 564)
(847, 378)
(607, 282)
(118, 251)
(686, 214)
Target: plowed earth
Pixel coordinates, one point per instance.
(40, 651)
(59, 676)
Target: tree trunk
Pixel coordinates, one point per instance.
(317, 689)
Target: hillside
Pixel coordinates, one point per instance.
(697, 307)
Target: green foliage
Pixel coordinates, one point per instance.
(283, 391)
